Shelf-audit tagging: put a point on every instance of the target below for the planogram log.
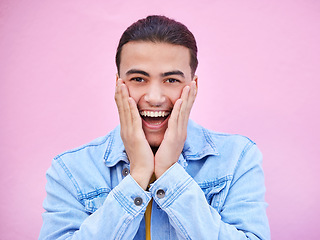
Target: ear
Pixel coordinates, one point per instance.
(195, 78)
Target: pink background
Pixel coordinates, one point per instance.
(258, 76)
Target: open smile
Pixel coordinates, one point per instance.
(154, 119)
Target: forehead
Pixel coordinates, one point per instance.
(155, 58)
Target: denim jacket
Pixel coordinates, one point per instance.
(215, 191)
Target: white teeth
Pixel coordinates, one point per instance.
(154, 113)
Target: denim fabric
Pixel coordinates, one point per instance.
(215, 191)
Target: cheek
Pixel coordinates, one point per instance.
(174, 94)
(135, 93)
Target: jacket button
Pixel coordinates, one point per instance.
(138, 201)
(161, 193)
(125, 172)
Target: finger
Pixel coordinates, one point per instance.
(183, 114)
(118, 99)
(125, 105)
(136, 119)
(187, 106)
(184, 97)
(173, 120)
(191, 97)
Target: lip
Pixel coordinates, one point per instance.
(155, 127)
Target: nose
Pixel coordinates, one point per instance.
(154, 95)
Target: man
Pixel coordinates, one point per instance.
(159, 175)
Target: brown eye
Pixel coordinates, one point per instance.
(137, 79)
(172, 80)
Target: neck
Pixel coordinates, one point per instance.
(154, 150)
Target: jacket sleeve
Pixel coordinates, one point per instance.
(242, 216)
(65, 216)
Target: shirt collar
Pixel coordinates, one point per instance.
(199, 144)
(115, 151)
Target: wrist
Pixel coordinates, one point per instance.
(160, 170)
(142, 178)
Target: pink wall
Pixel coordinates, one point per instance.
(258, 76)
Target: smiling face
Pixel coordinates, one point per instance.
(155, 74)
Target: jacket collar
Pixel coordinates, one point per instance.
(199, 143)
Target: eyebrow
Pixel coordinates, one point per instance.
(177, 72)
(133, 71)
(166, 74)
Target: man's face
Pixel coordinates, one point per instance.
(155, 74)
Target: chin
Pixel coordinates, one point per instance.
(154, 141)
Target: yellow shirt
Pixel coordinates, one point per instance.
(147, 214)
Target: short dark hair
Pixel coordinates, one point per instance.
(157, 28)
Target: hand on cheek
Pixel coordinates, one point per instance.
(176, 133)
(137, 147)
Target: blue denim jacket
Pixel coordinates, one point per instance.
(215, 191)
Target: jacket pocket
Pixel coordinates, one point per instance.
(216, 191)
(94, 200)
